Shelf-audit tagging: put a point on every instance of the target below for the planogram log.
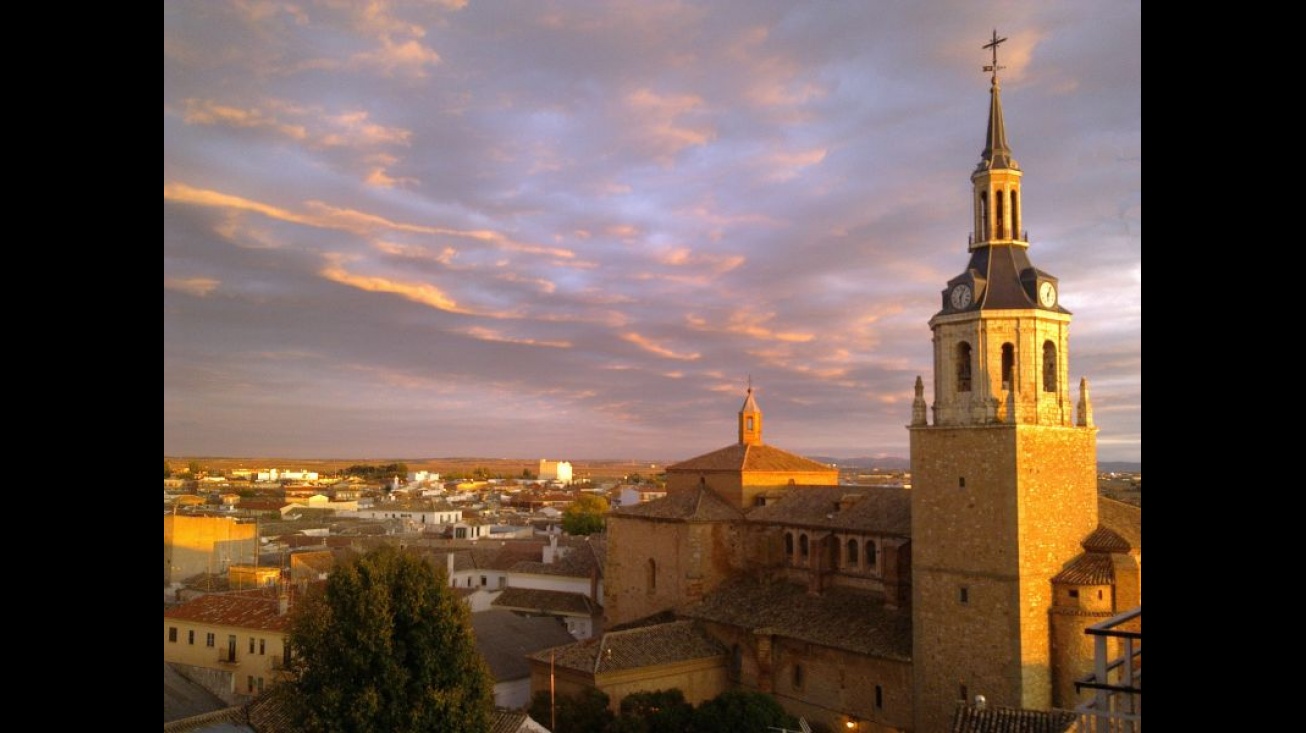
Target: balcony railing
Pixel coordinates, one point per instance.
(1117, 684)
(226, 656)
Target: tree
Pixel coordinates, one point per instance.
(584, 515)
(742, 710)
(385, 645)
(586, 712)
(660, 711)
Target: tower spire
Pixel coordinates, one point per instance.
(996, 152)
(750, 419)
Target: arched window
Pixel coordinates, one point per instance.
(651, 582)
(802, 546)
(963, 367)
(984, 216)
(870, 554)
(1015, 215)
(1049, 366)
(789, 545)
(997, 212)
(851, 558)
(1008, 364)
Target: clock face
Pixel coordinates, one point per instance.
(1047, 294)
(961, 296)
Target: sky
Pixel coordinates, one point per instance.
(579, 230)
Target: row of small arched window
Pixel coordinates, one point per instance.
(1008, 366)
(850, 549)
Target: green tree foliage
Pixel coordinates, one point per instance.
(386, 646)
(584, 515)
(374, 473)
(586, 712)
(742, 710)
(662, 711)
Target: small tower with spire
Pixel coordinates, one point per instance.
(750, 420)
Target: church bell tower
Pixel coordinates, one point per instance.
(1004, 476)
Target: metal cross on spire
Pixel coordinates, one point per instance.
(993, 44)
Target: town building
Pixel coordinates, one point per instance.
(884, 608)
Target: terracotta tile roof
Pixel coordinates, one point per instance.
(507, 721)
(998, 719)
(879, 509)
(701, 504)
(749, 457)
(1091, 568)
(839, 618)
(552, 601)
(1105, 540)
(252, 609)
(646, 646)
(579, 562)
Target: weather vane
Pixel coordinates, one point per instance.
(993, 44)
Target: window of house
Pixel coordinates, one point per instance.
(484, 581)
(1049, 366)
(798, 677)
(852, 552)
(879, 696)
(961, 482)
(210, 639)
(802, 545)
(190, 636)
(469, 582)
(1074, 594)
(1008, 364)
(259, 685)
(251, 683)
(262, 646)
(963, 367)
(962, 692)
(503, 582)
(172, 634)
(870, 554)
(963, 594)
(789, 545)
(251, 645)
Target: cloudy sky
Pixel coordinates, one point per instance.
(574, 230)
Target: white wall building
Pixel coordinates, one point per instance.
(559, 471)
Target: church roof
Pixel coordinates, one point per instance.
(645, 646)
(839, 618)
(699, 504)
(1105, 540)
(1091, 568)
(749, 457)
(879, 509)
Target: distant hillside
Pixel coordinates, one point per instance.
(1119, 467)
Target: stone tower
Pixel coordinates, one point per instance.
(1004, 479)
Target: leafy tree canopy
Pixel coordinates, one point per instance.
(386, 646)
(586, 712)
(742, 710)
(584, 515)
(661, 711)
